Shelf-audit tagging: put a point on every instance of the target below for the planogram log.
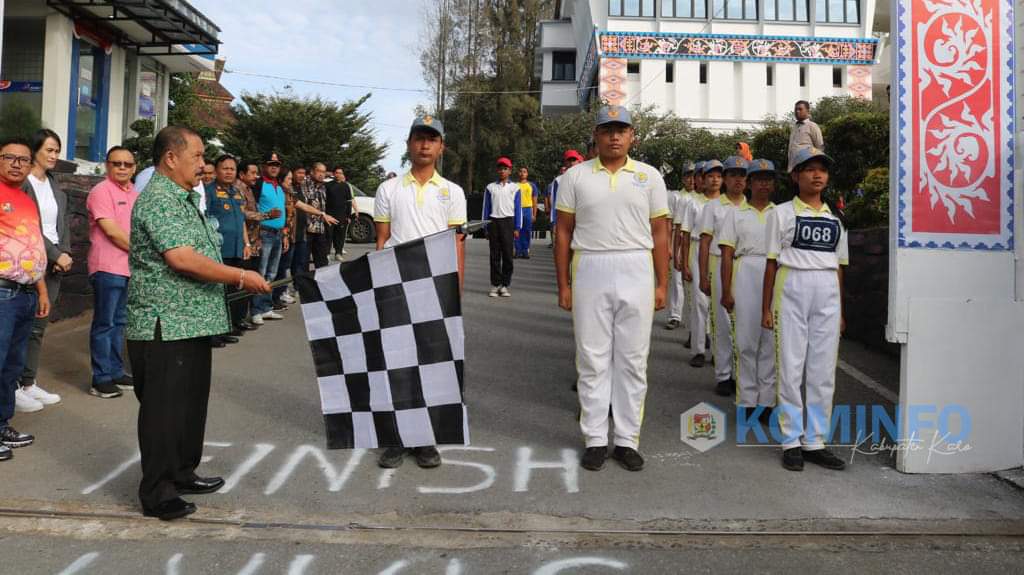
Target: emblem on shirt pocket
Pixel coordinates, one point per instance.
(444, 195)
(640, 179)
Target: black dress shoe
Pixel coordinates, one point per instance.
(427, 457)
(229, 339)
(246, 326)
(169, 510)
(237, 332)
(201, 485)
(725, 387)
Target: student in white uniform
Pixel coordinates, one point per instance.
(742, 241)
(681, 254)
(802, 302)
(677, 200)
(412, 206)
(691, 226)
(613, 228)
(502, 201)
(735, 177)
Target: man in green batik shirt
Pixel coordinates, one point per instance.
(175, 305)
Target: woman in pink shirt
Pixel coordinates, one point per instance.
(110, 214)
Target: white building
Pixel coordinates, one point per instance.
(90, 69)
(721, 64)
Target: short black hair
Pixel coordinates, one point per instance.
(804, 102)
(300, 167)
(39, 139)
(171, 138)
(336, 168)
(15, 142)
(208, 162)
(243, 165)
(111, 151)
(223, 158)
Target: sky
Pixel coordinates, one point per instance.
(366, 42)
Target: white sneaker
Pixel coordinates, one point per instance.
(286, 298)
(503, 292)
(257, 319)
(493, 293)
(25, 403)
(339, 257)
(272, 315)
(41, 395)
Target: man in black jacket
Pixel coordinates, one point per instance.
(339, 206)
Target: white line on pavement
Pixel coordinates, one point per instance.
(80, 563)
(869, 383)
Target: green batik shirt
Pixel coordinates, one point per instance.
(165, 217)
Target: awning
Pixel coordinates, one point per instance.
(152, 27)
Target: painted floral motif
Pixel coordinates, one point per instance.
(775, 49)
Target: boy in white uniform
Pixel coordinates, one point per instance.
(712, 179)
(735, 176)
(696, 180)
(802, 302)
(676, 292)
(613, 227)
(742, 241)
(412, 206)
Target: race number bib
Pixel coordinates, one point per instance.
(816, 234)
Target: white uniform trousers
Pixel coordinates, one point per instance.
(613, 307)
(754, 354)
(806, 310)
(721, 324)
(698, 304)
(676, 294)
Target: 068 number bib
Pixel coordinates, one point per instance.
(816, 234)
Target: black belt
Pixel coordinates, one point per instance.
(8, 284)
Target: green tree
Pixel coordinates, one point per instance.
(142, 143)
(18, 120)
(307, 130)
(857, 142)
(827, 109)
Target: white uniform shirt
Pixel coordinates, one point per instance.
(613, 211)
(711, 220)
(803, 238)
(48, 210)
(743, 229)
(503, 200)
(416, 211)
(691, 216)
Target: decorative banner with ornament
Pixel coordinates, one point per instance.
(955, 124)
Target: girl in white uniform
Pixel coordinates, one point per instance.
(802, 302)
(681, 254)
(742, 240)
(676, 290)
(712, 179)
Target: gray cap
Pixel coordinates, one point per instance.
(712, 165)
(735, 163)
(760, 166)
(427, 122)
(613, 115)
(805, 155)
(688, 167)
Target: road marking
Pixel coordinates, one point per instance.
(569, 466)
(260, 451)
(575, 562)
(174, 564)
(299, 564)
(454, 567)
(80, 563)
(867, 382)
(489, 473)
(335, 479)
(113, 474)
(254, 564)
(385, 478)
(395, 567)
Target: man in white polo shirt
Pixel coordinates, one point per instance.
(613, 215)
(412, 206)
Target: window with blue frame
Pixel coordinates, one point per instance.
(837, 11)
(90, 94)
(684, 9)
(785, 10)
(631, 8)
(734, 9)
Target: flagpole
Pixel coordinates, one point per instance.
(274, 284)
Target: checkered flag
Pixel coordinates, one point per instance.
(388, 344)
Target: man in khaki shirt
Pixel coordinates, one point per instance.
(805, 133)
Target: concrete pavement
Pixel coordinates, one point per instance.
(516, 493)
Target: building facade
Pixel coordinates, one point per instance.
(90, 69)
(721, 64)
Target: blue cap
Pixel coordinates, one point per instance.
(427, 122)
(805, 155)
(760, 166)
(688, 167)
(613, 114)
(699, 167)
(712, 165)
(735, 163)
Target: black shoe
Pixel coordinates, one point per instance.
(725, 387)
(594, 458)
(201, 485)
(105, 390)
(229, 339)
(169, 510)
(280, 307)
(11, 438)
(217, 342)
(672, 324)
(236, 332)
(5, 453)
(792, 459)
(824, 458)
(125, 382)
(246, 326)
(392, 457)
(525, 257)
(698, 360)
(427, 457)
(629, 458)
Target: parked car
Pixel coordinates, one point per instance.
(361, 229)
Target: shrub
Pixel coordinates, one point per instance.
(868, 205)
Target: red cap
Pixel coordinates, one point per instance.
(572, 155)
(503, 161)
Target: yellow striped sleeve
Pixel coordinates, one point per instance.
(382, 219)
(727, 243)
(659, 214)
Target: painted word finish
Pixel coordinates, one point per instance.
(246, 467)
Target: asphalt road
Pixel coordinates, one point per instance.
(514, 501)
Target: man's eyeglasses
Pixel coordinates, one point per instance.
(122, 164)
(15, 160)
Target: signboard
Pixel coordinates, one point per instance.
(8, 87)
(955, 124)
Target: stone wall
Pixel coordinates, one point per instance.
(867, 289)
(76, 292)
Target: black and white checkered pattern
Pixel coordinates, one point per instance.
(388, 343)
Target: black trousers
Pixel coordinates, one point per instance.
(319, 248)
(172, 384)
(238, 309)
(339, 234)
(500, 234)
